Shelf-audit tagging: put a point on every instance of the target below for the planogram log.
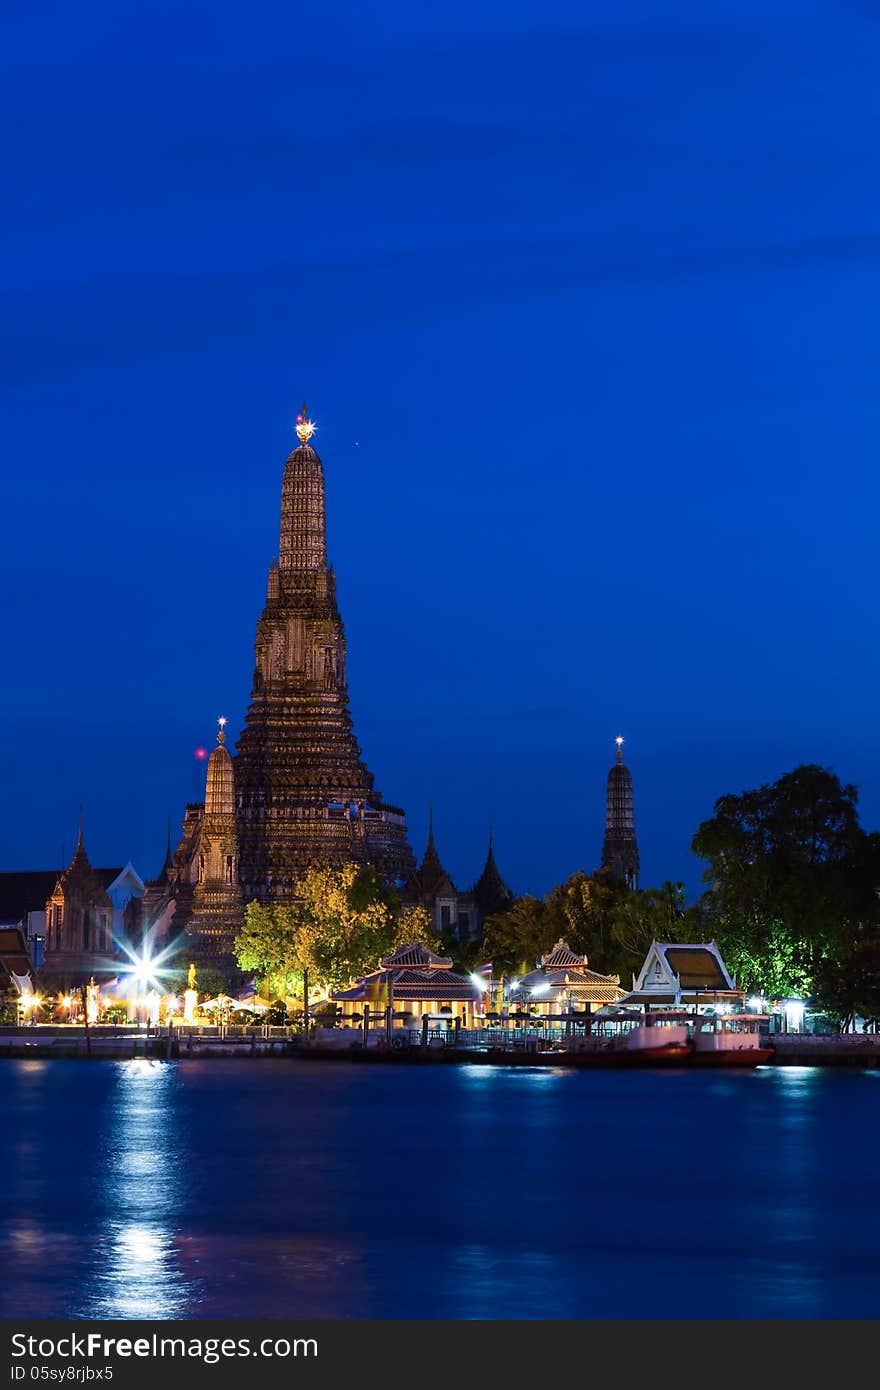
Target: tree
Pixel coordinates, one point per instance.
(600, 919)
(849, 988)
(513, 939)
(344, 919)
(267, 946)
(791, 877)
(652, 914)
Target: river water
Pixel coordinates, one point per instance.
(279, 1188)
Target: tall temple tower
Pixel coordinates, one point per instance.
(620, 852)
(303, 794)
(217, 906)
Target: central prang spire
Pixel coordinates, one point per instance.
(303, 793)
(303, 517)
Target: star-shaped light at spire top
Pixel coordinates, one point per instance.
(305, 427)
(619, 742)
(221, 728)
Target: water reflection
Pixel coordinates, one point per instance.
(213, 1189)
(141, 1275)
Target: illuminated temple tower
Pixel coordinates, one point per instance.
(303, 793)
(620, 852)
(217, 908)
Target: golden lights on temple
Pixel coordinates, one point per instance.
(305, 427)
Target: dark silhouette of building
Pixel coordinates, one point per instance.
(455, 913)
(620, 852)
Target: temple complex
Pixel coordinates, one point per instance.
(620, 852)
(303, 793)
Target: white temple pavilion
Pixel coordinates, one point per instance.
(686, 975)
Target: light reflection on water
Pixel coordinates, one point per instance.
(277, 1188)
(141, 1181)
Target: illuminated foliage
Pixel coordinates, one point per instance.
(612, 926)
(344, 920)
(791, 878)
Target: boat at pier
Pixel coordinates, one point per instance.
(730, 1040)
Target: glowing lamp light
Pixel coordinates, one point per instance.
(756, 1003)
(479, 982)
(542, 989)
(200, 753)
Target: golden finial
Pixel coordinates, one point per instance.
(305, 427)
(221, 726)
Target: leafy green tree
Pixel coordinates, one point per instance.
(849, 988)
(267, 945)
(791, 878)
(651, 914)
(344, 919)
(599, 919)
(513, 939)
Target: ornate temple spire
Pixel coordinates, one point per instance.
(620, 852)
(431, 878)
(220, 785)
(217, 902)
(80, 858)
(490, 890)
(303, 793)
(303, 545)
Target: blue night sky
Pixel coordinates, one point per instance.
(584, 299)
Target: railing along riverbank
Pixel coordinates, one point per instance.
(553, 1045)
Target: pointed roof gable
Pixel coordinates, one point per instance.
(415, 956)
(562, 957)
(675, 969)
(430, 878)
(689, 965)
(490, 890)
(564, 970)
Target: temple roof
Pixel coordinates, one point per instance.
(579, 983)
(562, 957)
(29, 891)
(563, 969)
(697, 966)
(430, 878)
(416, 955)
(412, 985)
(683, 965)
(15, 963)
(490, 890)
